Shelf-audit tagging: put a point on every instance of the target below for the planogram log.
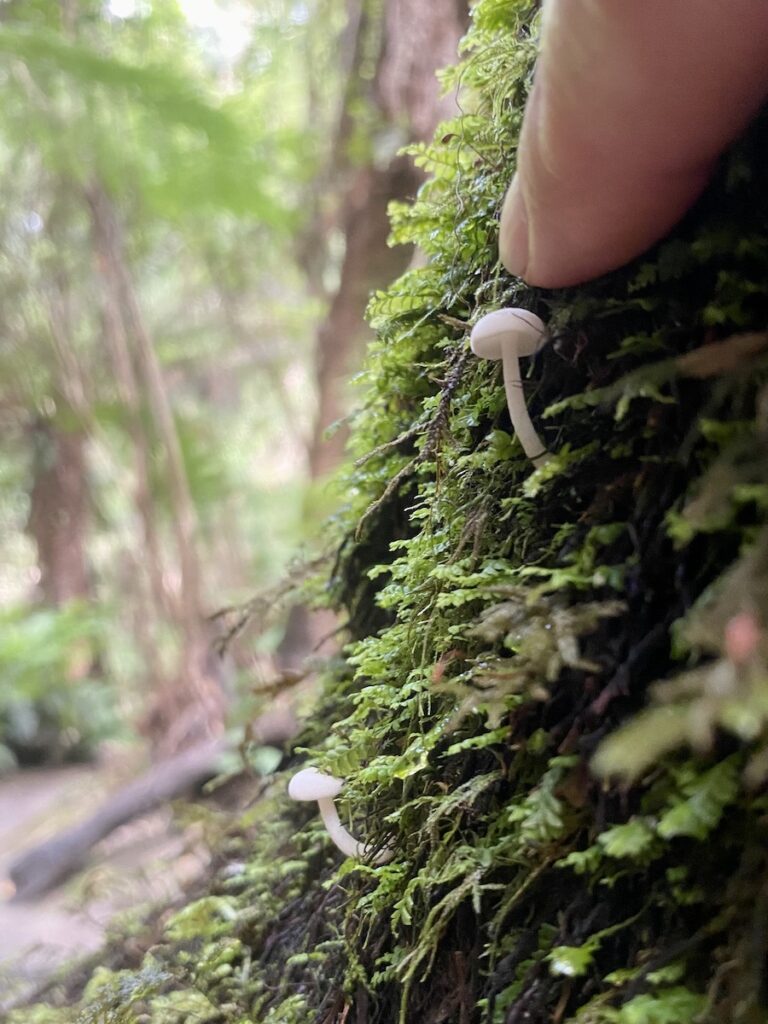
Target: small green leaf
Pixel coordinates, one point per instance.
(701, 808)
(631, 839)
(571, 961)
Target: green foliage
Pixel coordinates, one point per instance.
(670, 1006)
(40, 1015)
(111, 997)
(576, 961)
(45, 709)
(199, 157)
(702, 799)
(162, 88)
(631, 839)
(718, 694)
(209, 916)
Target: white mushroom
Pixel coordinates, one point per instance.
(312, 784)
(507, 334)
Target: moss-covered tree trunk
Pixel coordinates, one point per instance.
(554, 706)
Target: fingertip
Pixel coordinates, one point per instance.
(513, 230)
(629, 111)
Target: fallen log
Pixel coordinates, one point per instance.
(45, 866)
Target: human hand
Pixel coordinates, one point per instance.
(632, 104)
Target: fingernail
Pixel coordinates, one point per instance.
(513, 231)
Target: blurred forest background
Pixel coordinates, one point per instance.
(192, 217)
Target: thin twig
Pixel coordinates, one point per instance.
(407, 435)
(435, 430)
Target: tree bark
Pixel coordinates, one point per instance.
(129, 395)
(368, 263)
(59, 510)
(417, 39)
(59, 497)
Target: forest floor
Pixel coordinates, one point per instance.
(149, 860)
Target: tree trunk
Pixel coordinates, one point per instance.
(59, 510)
(190, 707)
(59, 498)
(368, 264)
(417, 40)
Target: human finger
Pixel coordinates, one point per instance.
(631, 106)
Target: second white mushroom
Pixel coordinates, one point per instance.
(508, 334)
(312, 784)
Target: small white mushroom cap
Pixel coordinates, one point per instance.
(525, 328)
(312, 784)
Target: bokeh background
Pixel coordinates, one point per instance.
(193, 214)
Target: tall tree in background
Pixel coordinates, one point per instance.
(190, 706)
(391, 98)
(59, 508)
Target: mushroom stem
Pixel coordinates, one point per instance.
(518, 411)
(345, 841)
